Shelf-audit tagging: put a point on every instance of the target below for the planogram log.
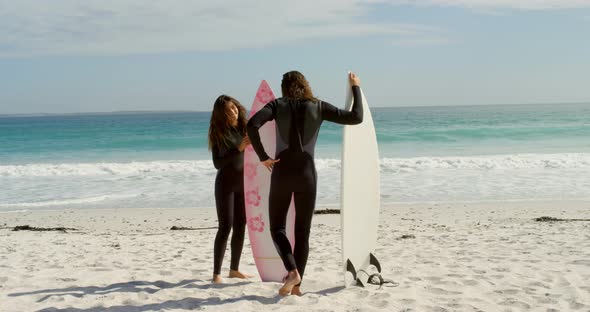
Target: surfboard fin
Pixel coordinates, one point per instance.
(350, 268)
(373, 261)
(359, 283)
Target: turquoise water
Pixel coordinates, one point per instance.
(427, 153)
(82, 138)
(401, 132)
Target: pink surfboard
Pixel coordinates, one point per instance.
(256, 191)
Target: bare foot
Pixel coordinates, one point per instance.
(217, 279)
(238, 274)
(292, 279)
(296, 291)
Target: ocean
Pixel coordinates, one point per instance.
(428, 154)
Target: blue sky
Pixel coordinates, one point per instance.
(65, 56)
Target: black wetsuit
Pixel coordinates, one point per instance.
(297, 125)
(229, 200)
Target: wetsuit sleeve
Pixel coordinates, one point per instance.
(267, 113)
(342, 116)
(228, 157)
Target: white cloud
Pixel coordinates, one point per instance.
(421, 41)
(496, 4)
(113, 27)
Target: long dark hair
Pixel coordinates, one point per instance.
(295, 86)
(220, 125)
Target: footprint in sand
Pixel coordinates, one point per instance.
(381, 296)
(539, 284)
(562, 282)
(55, 266)
(456, 275)
(311, 300)
(102, 270)
(379, 304)
(580, 262)
(507, 291)
(513, 303)
(530, 290)
(500, 269)
(447, 283)
(440, 291)
(362, 294)
(574, 305)
(407, 301)
(545, 300)
(548, 279)
(129, 302)
(433, 278)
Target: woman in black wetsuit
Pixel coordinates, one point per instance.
(298, 116)
(227, 141)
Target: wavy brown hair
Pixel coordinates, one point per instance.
(295, 86)
(220, 125)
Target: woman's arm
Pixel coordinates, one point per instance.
(342, 116)
(267, 113)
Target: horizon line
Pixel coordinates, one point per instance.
(123, 112)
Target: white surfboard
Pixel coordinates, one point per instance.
(360, 197)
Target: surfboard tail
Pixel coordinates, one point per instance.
(356, 275)
(352, 270)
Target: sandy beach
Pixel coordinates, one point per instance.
(442, 257)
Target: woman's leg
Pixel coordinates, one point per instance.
(224, 201)
(238, 231)
(304, 207)
(305, 198)
(279, 201)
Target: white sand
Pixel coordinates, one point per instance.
(464, 257)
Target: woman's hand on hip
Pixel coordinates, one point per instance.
(269, 163)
